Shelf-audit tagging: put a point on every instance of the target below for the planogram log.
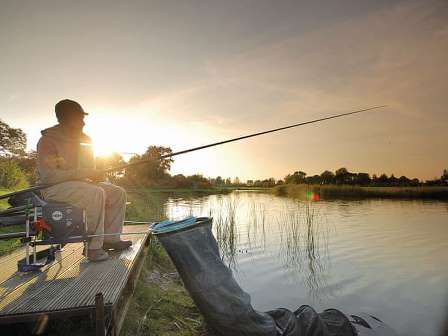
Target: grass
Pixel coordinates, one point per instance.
(191, 191)
(226, 229)
(304, 245)
(161, 305)
(9, 245)
(302, 191)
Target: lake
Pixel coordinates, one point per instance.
(387, 258)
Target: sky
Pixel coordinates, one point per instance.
(187, 73)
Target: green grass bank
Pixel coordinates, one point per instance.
(160, 304)
(7, 246)
(303, 191)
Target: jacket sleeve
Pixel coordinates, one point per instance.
(86, 157)
(48, 164)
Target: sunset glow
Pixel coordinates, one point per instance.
(190, 83)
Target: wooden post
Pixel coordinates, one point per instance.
(99, 315)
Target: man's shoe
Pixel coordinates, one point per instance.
(97, 255)
(117, 245)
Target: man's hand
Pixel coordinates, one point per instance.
(94, 175)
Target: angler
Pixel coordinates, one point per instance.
(74, 189)
(66, 162)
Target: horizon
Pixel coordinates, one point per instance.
(183, 75)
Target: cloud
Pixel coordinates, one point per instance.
(395, 56)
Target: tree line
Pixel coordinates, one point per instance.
(18, 169)
(344, 177)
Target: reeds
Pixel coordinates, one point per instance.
(256, 226)
(304, 245)
(224, 218)
(346, 191)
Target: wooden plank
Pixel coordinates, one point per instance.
(8, 263)
(17, 295)
(18, 280)
(124, 301)
(70, 283)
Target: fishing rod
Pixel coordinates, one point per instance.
(7, 236)
(124, 166)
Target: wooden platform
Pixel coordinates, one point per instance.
(68, 286)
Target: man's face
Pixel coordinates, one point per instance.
(75, 123)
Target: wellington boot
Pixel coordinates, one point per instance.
(97, 255)
(117, 245)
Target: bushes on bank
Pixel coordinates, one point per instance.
(11, 175)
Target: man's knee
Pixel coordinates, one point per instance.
(120, 191)
(116, 193)
(95, 194)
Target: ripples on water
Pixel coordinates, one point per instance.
(383, 257)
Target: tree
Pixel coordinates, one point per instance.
(198, 181)
(327, 177)
(12, 140)
(180, 181)
(154, 170)
(415, 182)
(393, 181)
(219, 181)
(297, 178)
(343, 176)
(11, 176)
(362, 179)
(28, 164)
(315, 179)
(109, 161)
(404, 181)
(383, 180)
(444, 177)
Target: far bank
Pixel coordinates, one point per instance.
(309, 191)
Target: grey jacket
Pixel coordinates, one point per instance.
(61, 157)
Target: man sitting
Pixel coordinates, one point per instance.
(65, 155)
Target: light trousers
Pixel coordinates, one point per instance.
(104, 203)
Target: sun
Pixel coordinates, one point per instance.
(103, 147)
(114, 135)
(128, 134)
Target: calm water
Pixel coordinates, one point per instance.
(383, 257)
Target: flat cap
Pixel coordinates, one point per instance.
(68, 107)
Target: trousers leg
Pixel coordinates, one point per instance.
(115, 210)
(83, 195)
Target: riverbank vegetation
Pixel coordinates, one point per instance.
(18, 170)
(160, 304)
(343, 176)
(9, 245)
(315, 192)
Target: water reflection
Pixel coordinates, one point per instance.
(296, 235)
(226, 230)
(385, 254)
(304, 247)
(256, 228)
(240, 225)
